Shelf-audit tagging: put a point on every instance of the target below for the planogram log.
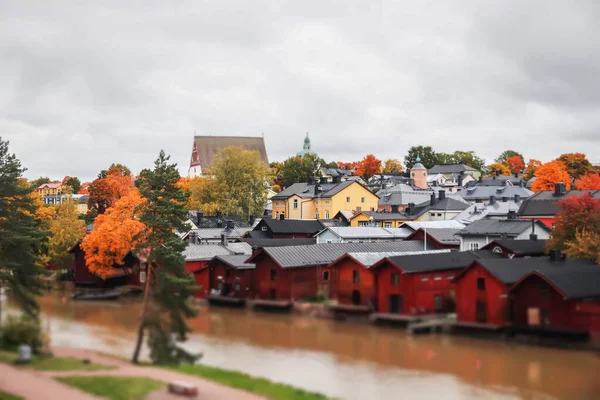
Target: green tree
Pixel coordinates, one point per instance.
(165, 311)
(20, 235)
(296, 169)
(66, 229)
(39, 181)
(239, 179)
(74, 183)
(469, 158)
(425, 153)
(506, 154)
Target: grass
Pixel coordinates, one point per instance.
(6, 396)
(114, 388)
(53, 363)
(239, 380)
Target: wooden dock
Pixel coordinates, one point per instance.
(218, 300)
(394, 319)
(430, 326)
(349, 308)
(270, 305)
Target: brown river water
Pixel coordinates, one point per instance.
(340, 359)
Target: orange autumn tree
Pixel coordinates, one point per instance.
(115, 233)
(392, 166)
(576, 164)
(500, 168)
(589, 181)
(368, 166)
(530, 169)
(515, 164)
(549, 174)
(110, 186)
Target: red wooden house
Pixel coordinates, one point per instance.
(84, 278)
(419, 284)
(231, 276)
(560, 298)
(291, 273)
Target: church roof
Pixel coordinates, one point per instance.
(209, 146)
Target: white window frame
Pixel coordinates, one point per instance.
(295, 204)
(474, 246)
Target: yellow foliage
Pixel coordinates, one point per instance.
(66, 229)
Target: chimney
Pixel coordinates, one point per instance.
(512, 215)
(559, 189)
(282, 217)
(411, 208)
(516, 174)
(230, 224)
(219, 215)
(224, 240)
(394, 208)
(442, 195)
(434, 183)
(219, 223)
(252, 220)
(199, 216)
(494, 177)
(497, 173)
(460, 178)
(317, 187)
(517, 198)
(492, 200)
(555, 255)
(521, 184)
(480, 179)
(504, 199)
(533, 236)
(433, 200)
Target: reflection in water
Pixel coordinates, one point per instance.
(344, 360)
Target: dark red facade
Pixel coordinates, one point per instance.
(201, 276)
(272, 282)
(535, 302)
(352, 283)
(399, 292)
(481, 297)
(231, 282)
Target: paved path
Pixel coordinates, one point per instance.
(35, 385)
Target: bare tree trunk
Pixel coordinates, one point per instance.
(141, 329)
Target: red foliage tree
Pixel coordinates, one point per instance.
(576, 214)
(549, 174)
(105, 191)
(352, 165)
(589, 181)
(369, 166)
(515, 164)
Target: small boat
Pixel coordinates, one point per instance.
(113, 295)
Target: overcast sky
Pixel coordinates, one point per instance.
(84, 86)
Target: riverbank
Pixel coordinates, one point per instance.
(67, 376)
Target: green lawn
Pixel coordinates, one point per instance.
(53, 363)
(6, 396)
(239, 380)
(114, 388)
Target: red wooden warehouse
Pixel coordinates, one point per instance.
(419, 284)
(558, 299)
(231, 277)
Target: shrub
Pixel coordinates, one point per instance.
(21, 330)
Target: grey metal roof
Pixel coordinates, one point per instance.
(575, 281)
(449, 204)
(479, 211)
(501, 180)
(277, 226)
(403, 194)
(519, 247)
(449, 169)
(498, 227)
(237, 262)
(307, 191)
(484, 192)
(370, 259)
(443, 235)
(438, 262)
(215, 233)
(510, 271)
(414, 225)
(268, 242)
(199, 252)
(325, 253)
(545, 203)
(239, 248)
(352, 232)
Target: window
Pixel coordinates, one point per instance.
(437, 278)
(413, 175)
(295, 204)
(394, 279)
(327, 202)
(424, 278)
(348, 199)
(480, 284)
(326, 214)
(450, 277)
(277, 214)
(325, 275)
(387, 225)
(473, 246)
(273, 273)
(317, 215)
(264, 228)
(362, 200)
(236, 287)
(363, 223)
(355, 276)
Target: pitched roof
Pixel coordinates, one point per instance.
(325, 253)
(353, 232)
(370, 259)
(484, 192)
(209, 146)
(237, 262)
(574, 281)
(50, 185)
(445, 236)
(510, 271)
(449, 168)
(307, 190)
(335, 172)
(449, 204)
(268, 242)
(501, 180)
(215, 233)
(403, 194)
(307, 226)
(439, 262)
(479, 211)
(545, 203)
(198, 252)
(510, 227)
(216, 221)
(519, 247)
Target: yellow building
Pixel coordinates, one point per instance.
(385, 219)
(322, 200)
(51, 192)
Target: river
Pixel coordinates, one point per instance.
(344, 360)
